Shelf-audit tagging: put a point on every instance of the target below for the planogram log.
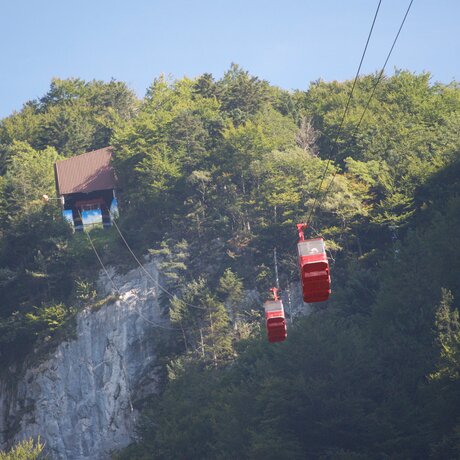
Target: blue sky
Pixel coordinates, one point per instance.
(289, 43)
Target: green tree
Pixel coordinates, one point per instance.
(25, 450)
(204, 323)
(231, 289)
(28, 177)
(242, 95)
(448, 338)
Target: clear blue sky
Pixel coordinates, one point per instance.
(289, 42)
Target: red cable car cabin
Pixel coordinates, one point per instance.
(314, 268)
(274, 319)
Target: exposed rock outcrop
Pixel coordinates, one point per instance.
(79, 400)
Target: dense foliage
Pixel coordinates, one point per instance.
(41, 263)
(369, 380)
(25, 450)
(213, 176)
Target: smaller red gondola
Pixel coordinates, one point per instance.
(274, 318)
(314, 267)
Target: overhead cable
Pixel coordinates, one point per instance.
(379, 78)
(344, 114)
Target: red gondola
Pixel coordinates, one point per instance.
(314, 267)
(274, 318)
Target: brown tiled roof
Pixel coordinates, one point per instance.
(85, 173)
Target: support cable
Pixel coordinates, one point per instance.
(159, 286)
(335, 142)
(153, 323)
(379, 78)
(99, 258)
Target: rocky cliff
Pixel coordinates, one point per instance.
(79, 399)
(82, 398)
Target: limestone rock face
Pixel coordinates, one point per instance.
(82, 398)
(79, 400)
(294, 306)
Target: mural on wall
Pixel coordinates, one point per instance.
(91, 217)
(114, 209)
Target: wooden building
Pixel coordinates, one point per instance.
(86, 185)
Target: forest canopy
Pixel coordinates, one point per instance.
(214, 175)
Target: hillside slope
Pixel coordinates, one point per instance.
(214, 175)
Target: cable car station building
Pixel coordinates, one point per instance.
(86, 186)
